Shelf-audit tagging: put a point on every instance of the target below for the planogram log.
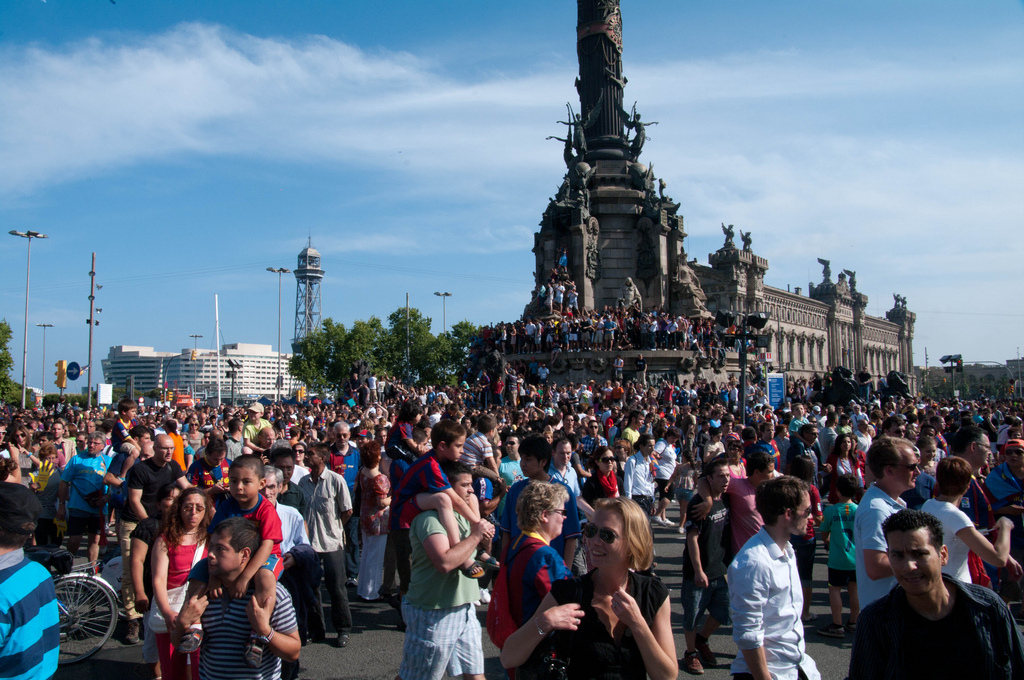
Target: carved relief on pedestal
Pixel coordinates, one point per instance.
(646, 254)
(591, 249)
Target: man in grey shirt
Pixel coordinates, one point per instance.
(328, 508)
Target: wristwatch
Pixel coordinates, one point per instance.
(265, 639)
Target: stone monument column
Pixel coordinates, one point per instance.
(599, 48)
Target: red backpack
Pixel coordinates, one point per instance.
(502, 613)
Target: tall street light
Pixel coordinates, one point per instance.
(279, 272)
(44, 326)
(28, 268)
(444, 308)
(195, 352)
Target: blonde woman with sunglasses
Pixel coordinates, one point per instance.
(586, 619)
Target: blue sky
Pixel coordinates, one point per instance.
(193, 144)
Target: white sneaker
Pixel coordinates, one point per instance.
(485, 596)
(682, 530)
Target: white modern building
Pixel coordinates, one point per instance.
(256, 375)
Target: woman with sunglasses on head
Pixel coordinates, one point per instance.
(17, 449)
(181, 544)
(592, 614)
(605, 480)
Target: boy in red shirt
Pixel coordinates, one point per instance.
(245, 481)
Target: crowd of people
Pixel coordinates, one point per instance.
(574, 330)
(543, 509)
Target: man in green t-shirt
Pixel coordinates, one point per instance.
(837, 528)
(443, 634)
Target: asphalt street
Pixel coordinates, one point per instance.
(375, 651)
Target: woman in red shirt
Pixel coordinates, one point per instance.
(179, 547)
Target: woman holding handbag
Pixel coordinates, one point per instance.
(181, 544)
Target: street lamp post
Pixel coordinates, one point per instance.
(444, 309)
(28, 268)
(280, 381)
(44, 326)
(195, 351)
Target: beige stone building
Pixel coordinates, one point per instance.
(827, 327)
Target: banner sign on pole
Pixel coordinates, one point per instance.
(776, 389)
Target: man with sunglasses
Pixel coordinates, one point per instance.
(895, 465)
(592, 439)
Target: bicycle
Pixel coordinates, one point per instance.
(87, 605)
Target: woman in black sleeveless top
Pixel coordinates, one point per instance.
(612, 623)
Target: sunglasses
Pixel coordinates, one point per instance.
(608, 459)
(561, 511)
(913, 467)
(607, 535)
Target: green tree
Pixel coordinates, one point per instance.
(392, 349)
(360, 343)
(451, 352)
(324, 358)
(10, 391)
(314, 362)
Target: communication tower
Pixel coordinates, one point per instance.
(308, 275)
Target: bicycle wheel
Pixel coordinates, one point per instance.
(88, 615)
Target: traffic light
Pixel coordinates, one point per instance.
(300, 394)
(194, 355)
(959, 365)
(62, 374)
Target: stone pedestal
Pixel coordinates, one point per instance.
(620, 227)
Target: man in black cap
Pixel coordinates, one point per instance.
(29, 644)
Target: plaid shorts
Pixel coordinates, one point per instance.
(441, 641)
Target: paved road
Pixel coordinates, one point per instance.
(376, 648)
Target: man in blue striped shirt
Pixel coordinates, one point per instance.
(29, 624)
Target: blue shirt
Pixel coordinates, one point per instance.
(570, 527)
(530, 579)
(84, 474)
(29, 621)
(874, 508)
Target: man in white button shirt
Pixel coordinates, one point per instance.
(765, 597)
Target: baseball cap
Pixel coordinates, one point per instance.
(19, 509)
(1013, 444)
(732, 437)
(256, 408)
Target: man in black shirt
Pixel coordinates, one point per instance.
(705, 564)
(932, 626)
(145, 479)
(641, 369)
